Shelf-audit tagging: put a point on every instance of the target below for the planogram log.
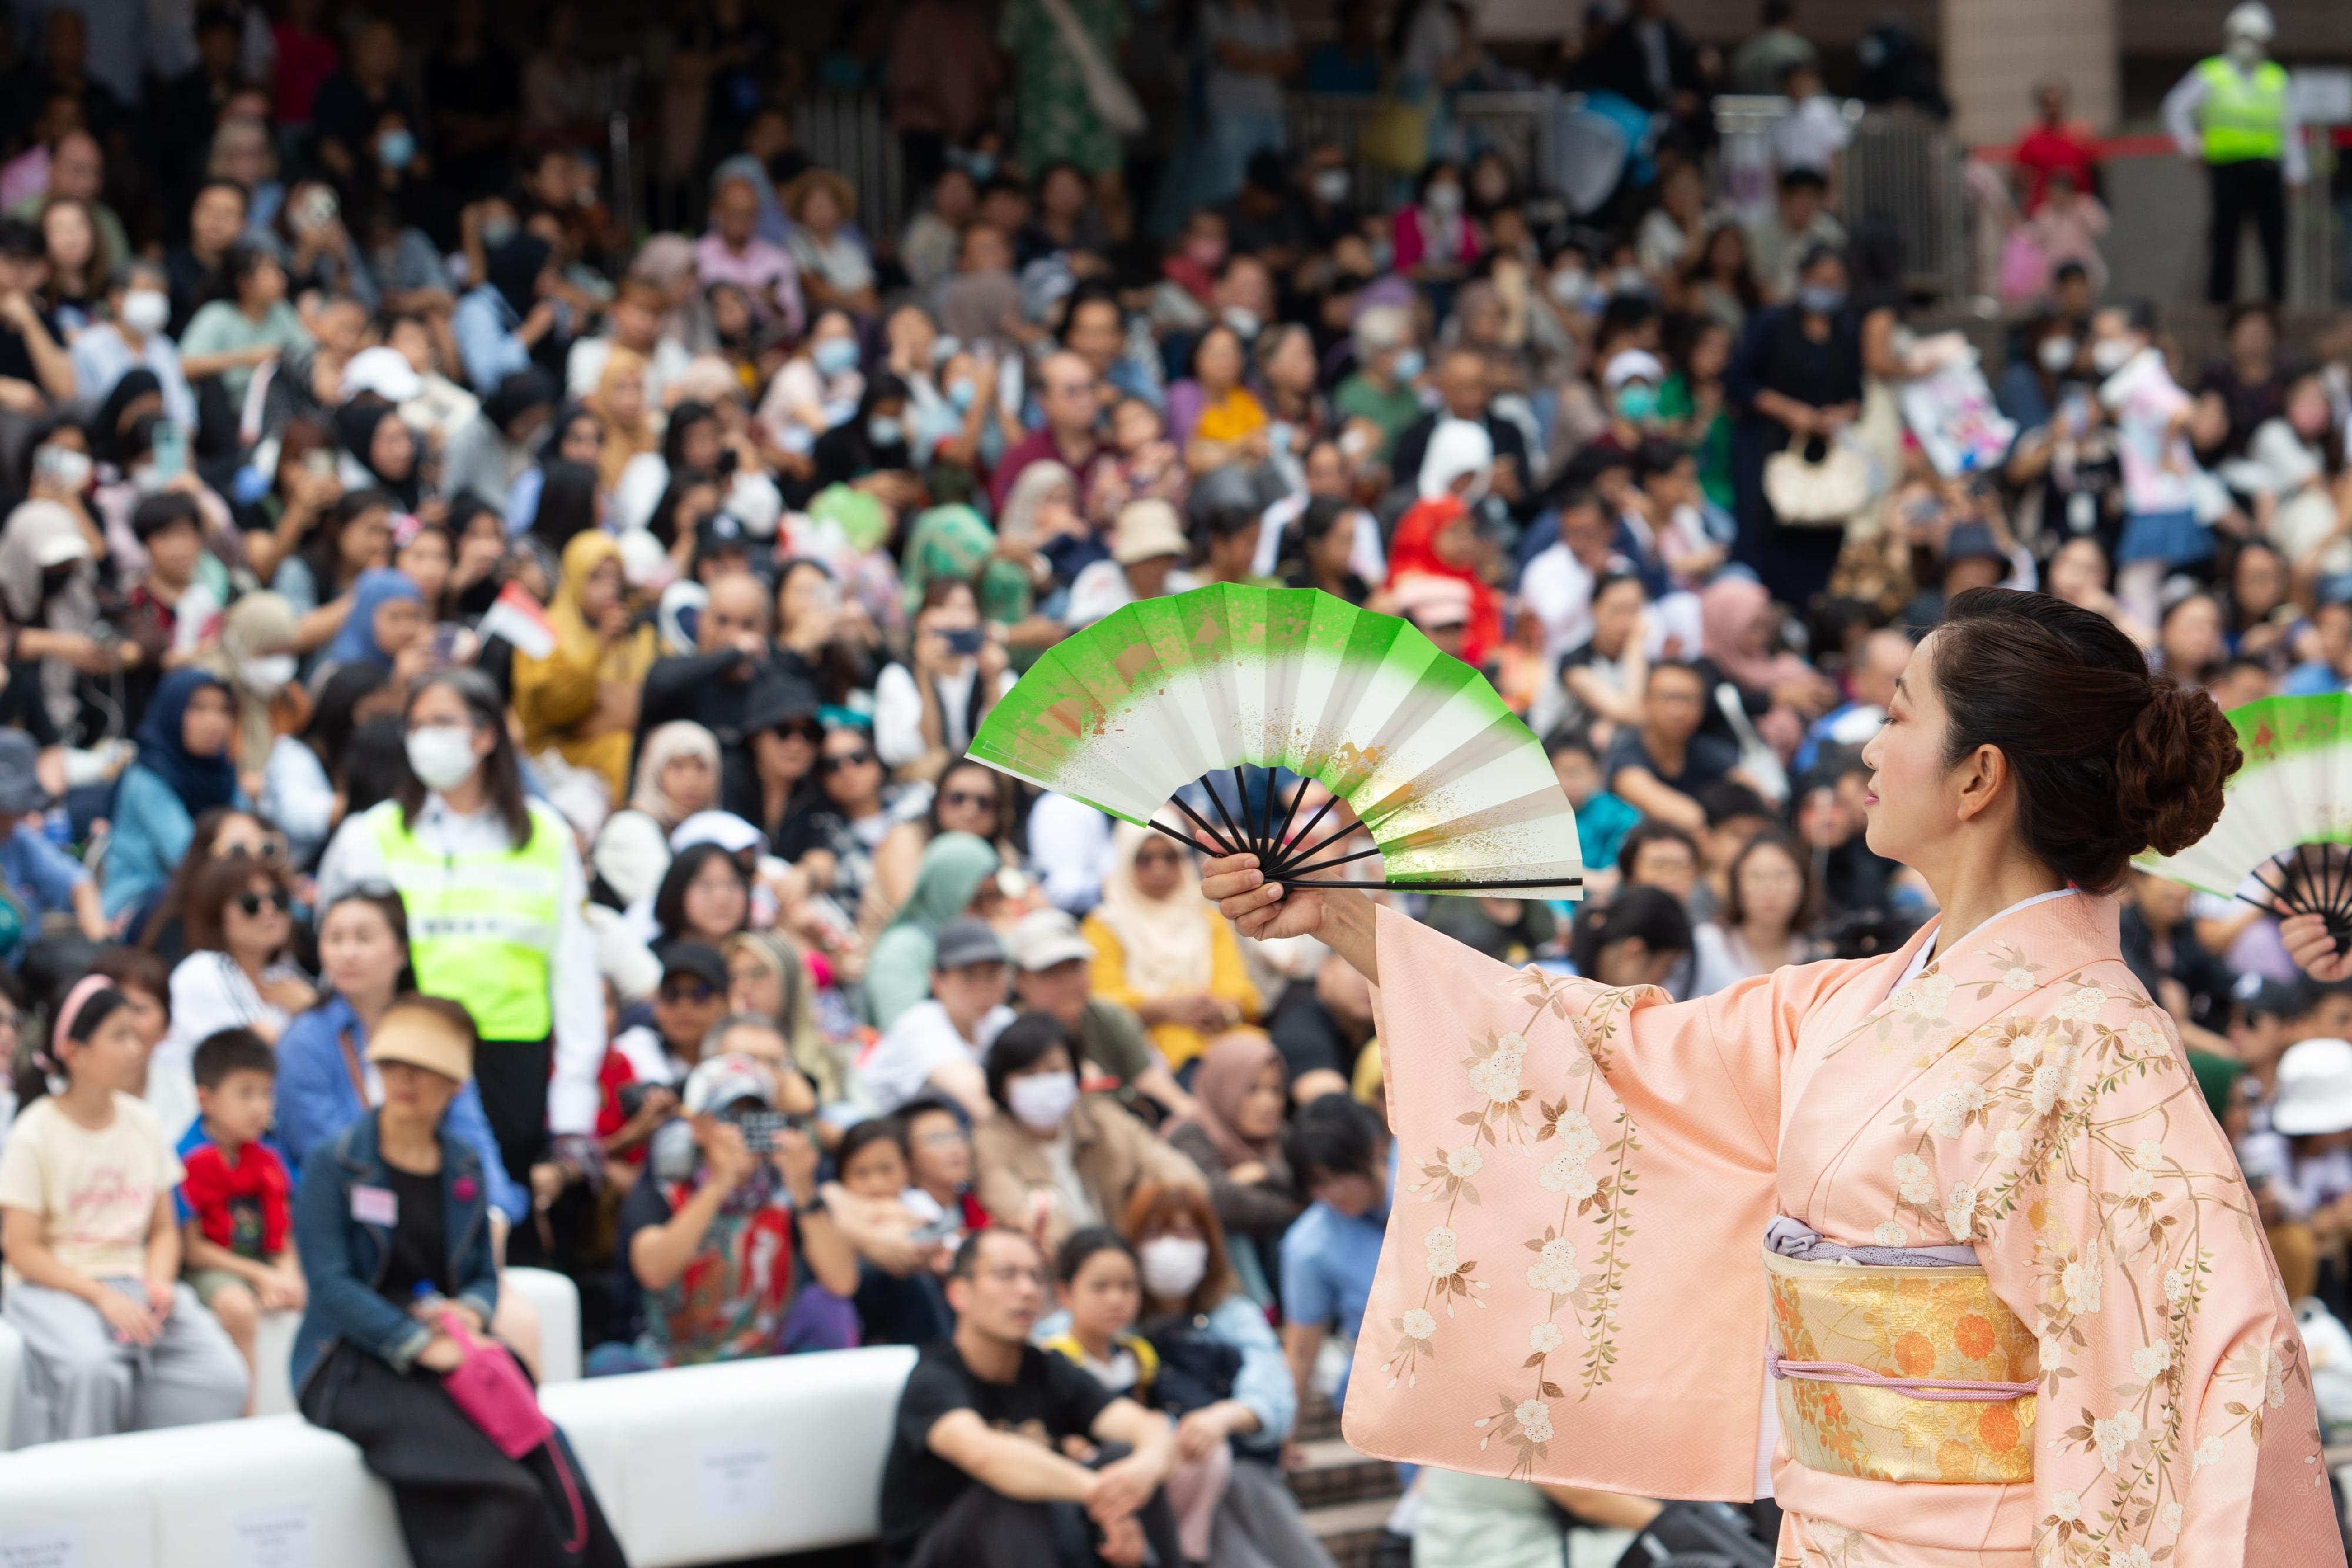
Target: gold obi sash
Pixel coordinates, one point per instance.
(1900, 1374)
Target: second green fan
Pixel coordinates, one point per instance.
(1456, 793)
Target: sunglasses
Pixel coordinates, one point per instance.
(810, 732)
(687, 991)
(269, 852)
(966, 798)
(840, 760)
(253, 904)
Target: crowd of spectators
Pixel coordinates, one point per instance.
(418, 588)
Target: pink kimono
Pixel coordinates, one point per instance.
(1574, 1288)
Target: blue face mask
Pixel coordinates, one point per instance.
(395, 148)
(834, 355)
(1408, 364)
(1820, 299)
(980, 166)
(961, 391)
(883, 430)
(1638, 402)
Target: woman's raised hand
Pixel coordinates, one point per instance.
(2313, 947)
(1258, 907)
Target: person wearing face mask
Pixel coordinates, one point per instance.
(2293, 468)
(1796, 377)
(1051, 1159)
(133, 337)
(1434, 242)
(494, 892)
(2033, 379)
(1388, 364)
(2233, 114)
(872, 444)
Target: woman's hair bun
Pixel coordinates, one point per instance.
(2170, 766)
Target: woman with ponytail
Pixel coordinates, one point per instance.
(114, 1342)
(1952, 1222)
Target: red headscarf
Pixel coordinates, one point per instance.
(1413, 553)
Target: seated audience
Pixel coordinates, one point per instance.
(1163, 951)
(979, 1473)
(1339, 1156)
(1050, 1158)
(236, 1202)
(1234, 1135)
(114, 1342)
(1052, 972)
(938, 1047)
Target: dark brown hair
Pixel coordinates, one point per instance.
(1734, 911)
(2110, 759)
(1154, 1203)
(204, 917)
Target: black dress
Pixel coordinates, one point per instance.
(462, 1502)
(1777, 356)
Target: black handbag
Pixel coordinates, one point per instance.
(1195, 1371)
(1697, 1535)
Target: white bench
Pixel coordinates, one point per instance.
(699, 1465)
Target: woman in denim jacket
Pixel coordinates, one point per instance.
(394, 1230)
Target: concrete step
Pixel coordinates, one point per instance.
(1349, 1531)
(1330, 1473)
(1317, 1419)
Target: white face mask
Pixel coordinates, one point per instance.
(1243, 319)
(2246, 52)
(1331, 186)
(146, 310)
(1568, 287)
(2109, 355)
(1042, 1099)
(1444, 199)
(2055, 353)
(268, 675)
(442, 755)
(1172, 1266)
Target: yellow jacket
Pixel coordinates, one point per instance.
(1229, 981)
(581, 700)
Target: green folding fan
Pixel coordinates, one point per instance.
(1458, 795)
(2286, 814)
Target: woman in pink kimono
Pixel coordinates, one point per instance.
(1942, 1249)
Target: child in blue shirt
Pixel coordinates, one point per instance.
(1338, 1153)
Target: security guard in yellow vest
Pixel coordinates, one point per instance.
(495, 896)
(2232, 114)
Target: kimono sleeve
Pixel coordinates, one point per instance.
(2175, 1422)
(1574, 1251)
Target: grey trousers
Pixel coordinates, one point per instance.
(1259, 1526)
(80, 1382)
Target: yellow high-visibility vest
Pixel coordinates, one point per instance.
(482, 928)
(2243, 120)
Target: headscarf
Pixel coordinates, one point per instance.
(517, 395)
(681, 737)
(582, 556)
(514, 267)
(1165, 940)
(200, 782)
(1225, 1077)
(1237, 414)
(948, 877)
(956, 544)
(1457, 446)
(256, 626)
(355, 427)
(1413, 553)
(1730, 610)
(1018, 519)
(622, 442)
(796, 1019)
(377, 587)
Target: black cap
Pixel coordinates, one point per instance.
(695, 958)
(962, 943)
(2255, 994)
(1972, 541)
(720, 531)
(778, 697)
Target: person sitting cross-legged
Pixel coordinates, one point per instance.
(982, 1472)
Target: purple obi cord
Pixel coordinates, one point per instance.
(1794, 1238)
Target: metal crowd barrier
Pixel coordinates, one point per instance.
(1521, 126)
(1908, 176)
(849, 132)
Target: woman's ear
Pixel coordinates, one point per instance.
(1981, 776)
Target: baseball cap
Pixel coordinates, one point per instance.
(1432, 602)
(1046, 937)
(962, 944)
(697, 959)
(724, 1080)
(725, 828)
(57, 547)
(1145, 530)
(720, 531)
(384, 372)
(1972, 541)
(1632, 365)
(2254, 995)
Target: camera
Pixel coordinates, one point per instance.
(963, 639)
(758, 1124)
